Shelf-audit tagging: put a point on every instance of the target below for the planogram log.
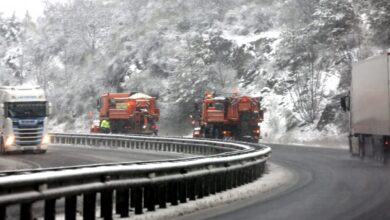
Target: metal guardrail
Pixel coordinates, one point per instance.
(135, 187)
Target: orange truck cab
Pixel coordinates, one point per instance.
(233, 117)
(133, 113)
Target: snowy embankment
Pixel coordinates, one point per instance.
(309, 138)
(274, 179)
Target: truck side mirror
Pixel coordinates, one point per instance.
(261, 114)
(345, 103)
(196, 107)
(98, 104)
(2, 110)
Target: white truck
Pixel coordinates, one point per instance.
(368, 104)
(23, 119)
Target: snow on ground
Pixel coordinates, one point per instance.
(249, 38)
(275, 178)
(310, 138)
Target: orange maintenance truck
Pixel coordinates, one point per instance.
(233, 117)
(128, 113)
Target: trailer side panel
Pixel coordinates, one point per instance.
(370, 97)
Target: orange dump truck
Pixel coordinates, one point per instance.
(234, 117)
(129, 113)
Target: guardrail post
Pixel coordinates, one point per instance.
(261, 169)
(250, 172)
(229, 179)
(3, 212)
(106, 204)
(239, 177)
(200, 187)
(213, 183)
(241, 180)
(89, 206)
(257, 172)
(218, 181)
(70, 207)
(149, 199)
(243, 177)
(183, 191)
(206, 182)
(252, 175)
(162, 196)
(223, 181)
(136, 200)
(173, 193)
(122, 202)
(26, 211)
(50, 209)
(246, 176)
(234, 178)
(132, 198)
(192, 189)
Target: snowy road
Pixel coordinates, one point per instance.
(330, 185)
(58, 156)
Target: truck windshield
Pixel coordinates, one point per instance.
(216, 105)
(25, 109)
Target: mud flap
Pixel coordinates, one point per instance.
(379, 149)
(372, 148)
(368, 146)
(354, 147)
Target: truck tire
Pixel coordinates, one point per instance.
(40, 151)
(361, 147)
(2, 150)
(379, 149)
(369, 150)
(354, 145)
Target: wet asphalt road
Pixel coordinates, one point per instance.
(59, 156)
(331, 185)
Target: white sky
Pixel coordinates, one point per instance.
(19, 7)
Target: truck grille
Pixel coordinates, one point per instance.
(28, 136)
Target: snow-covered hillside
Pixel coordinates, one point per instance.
(296, 54)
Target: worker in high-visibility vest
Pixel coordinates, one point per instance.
(105, 126)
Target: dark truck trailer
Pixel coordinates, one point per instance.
(369, 106)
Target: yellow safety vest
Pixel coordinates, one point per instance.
(105, 124)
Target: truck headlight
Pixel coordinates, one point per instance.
(46, 139)
(10, 140)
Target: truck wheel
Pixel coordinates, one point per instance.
(1, 145)
(40, 151)
(353, 145)
(361, 147)
(368, 146)
(379, 149)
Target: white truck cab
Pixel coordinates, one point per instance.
(23, 119)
